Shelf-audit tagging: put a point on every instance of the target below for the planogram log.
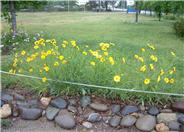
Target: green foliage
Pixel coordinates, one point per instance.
(179, 27)
(5, 123)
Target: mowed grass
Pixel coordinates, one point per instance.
(119, 28)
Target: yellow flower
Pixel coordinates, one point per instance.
(44, 79)
(41, 71)
(65, 42)
(143, 68)
(56, 47)
(147, 81)
(42, 57)
(171, 72)
(61, 57)
(64, 62)
(136, 56)
(16, 55)
(172, 80)
(20, 70)
(102, 59)
(141, 59)
(166, 80)
(21, 61)
(106, 53)
(49, 52)
(56, 64)
(151, 66)
(123, 59)
(15, 60)
(63, 45)
(28, 59)
(30, 70)
(93, 63)
(152, 57)
(172, 53)
(122, 74)
(11, 30)
(11, 71)
(46, 68)
(162, 72)
(111, 60)
(73, 43)
(86, 46)
(14, 71)
(104, 48)
(77, 47)
(174, 68)
(85, 53)
(117, 78)
(14, 64)
(158, 79)
(156, 59)
(112, 44)
(143, 50)
(23, 52)
(36, 47)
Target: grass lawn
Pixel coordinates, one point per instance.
(119, 28)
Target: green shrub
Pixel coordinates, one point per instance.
(179, 27)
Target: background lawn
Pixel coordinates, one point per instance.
(119, 28)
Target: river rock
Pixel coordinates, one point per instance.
(65, 119)
(146, 123)
(114, 121)
(86, 100)
(72, 109)
(106, 119)
(181, 120)
(129, 109)
(87, 124)
(59, 103)
(166, 111)
(173, 125)
(153, 111)
(80, 112)
(128, 121)
(178, 106)
(33, 103)
(166, 117)
(162, 127)
(115, 108)
(18, 96)
(2, 103)
(6, 97)
(51, 113)
(5, 111)
(94, 117)
(30, 113)
(99, 107)
(45, 101)
(141, 107)
(15, 112)
(72, 101)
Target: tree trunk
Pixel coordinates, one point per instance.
(13, 17)
(137, 12)
(150, 12)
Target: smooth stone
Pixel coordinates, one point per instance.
(94, 117)
(106, 119)
(65, 119)
(45, 101)
(5, 111)
(162, 127)
(18, 96)
(30, 113)
(115, 108)
(22, 104)
(85, 101)
(2, 103)
(15, 112)
(99, 107)
(51, 113)
(173, 125)
(87, 125)
(141, 107)
(72, 109)
(153, 111)
(129, 109)
(114, 121)
(59, 103)
(33, 103)
(80, 110)
(166, 117)
(166, 111)
(181, 120)
(146, 123)
(6, 97)
(128, 121)
(72, 101)
(178, 106)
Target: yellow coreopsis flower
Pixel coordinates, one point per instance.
(136, 56)
(166, 80)
(44, 79)
(172, 53)
(64, 62)
(104, 48)
(49, 52)
(61, 57)
(73, 43)
(123, 59)
(86, 46)
(84, 52)
(20, 70)
(158, 79)
(141, 59)
(162, 72)
(93, 63)
(41, 71)
(102, 59)
(16, 55)
(143, 68)
(28, 59)
(147, 81)
(65, 42)
(23, 52)
(151, 66)
(112, 44)
(31, 70)
(122, 74)
(171, 72)
(56, 64)
(174, 68)
(156, 59)
(11, 71)
(42, 57)
(46, 68)
(77, 47)
(143, 50)
(63, 45)
(36, 47)
(106, 53)
(117, 78)
(171, 80)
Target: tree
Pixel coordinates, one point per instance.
(137, 11)
(9, 9)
